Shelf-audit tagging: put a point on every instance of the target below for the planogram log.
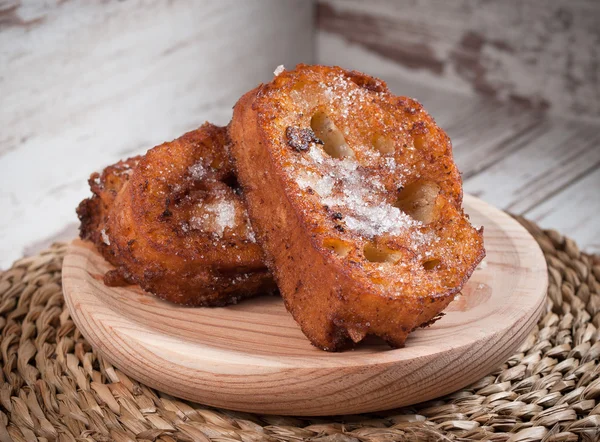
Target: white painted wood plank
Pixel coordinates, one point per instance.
(83, 84)
(491, 133)
(540, 53)
(562, 153)
(574, 212)
(482, 131)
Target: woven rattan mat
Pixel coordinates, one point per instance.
(54, 386)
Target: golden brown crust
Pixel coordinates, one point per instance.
(356, 200)
(177, 225)
(93, 212)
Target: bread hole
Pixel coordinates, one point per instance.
(383, 144)
(419, 142)
(417, 200)
(375, 253)
(366, 82)
(333, 139)
(431, 264)
(217, 163)
(231, 181)
(339, 247)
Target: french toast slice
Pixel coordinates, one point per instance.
(356, 201)
(173, 221)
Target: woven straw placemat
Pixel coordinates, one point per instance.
(56, 387)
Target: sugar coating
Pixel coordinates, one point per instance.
(218, 215)
(197, 171)
(105, 238)
(225, 216)
(343, 93)
(279, 70)
(357, 194)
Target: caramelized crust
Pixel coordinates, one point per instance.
(93, 212)
(175, 224)
(356, 200)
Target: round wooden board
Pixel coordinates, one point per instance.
(253, 357)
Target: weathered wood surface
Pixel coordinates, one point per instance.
(83, 84)
(559, 153)
(253, 356)
(543, 54)
(575, 210)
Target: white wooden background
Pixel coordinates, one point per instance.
(82, 84)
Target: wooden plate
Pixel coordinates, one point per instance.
(253, 357)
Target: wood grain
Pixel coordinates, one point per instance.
(574, 211)
(253, 357)
(539, 54)
(557, 153)
(84, 84)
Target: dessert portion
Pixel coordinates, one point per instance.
(357, 203)
(352, 192)
(173, 221)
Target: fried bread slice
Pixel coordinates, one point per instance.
(174, 223)
(356, 200)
